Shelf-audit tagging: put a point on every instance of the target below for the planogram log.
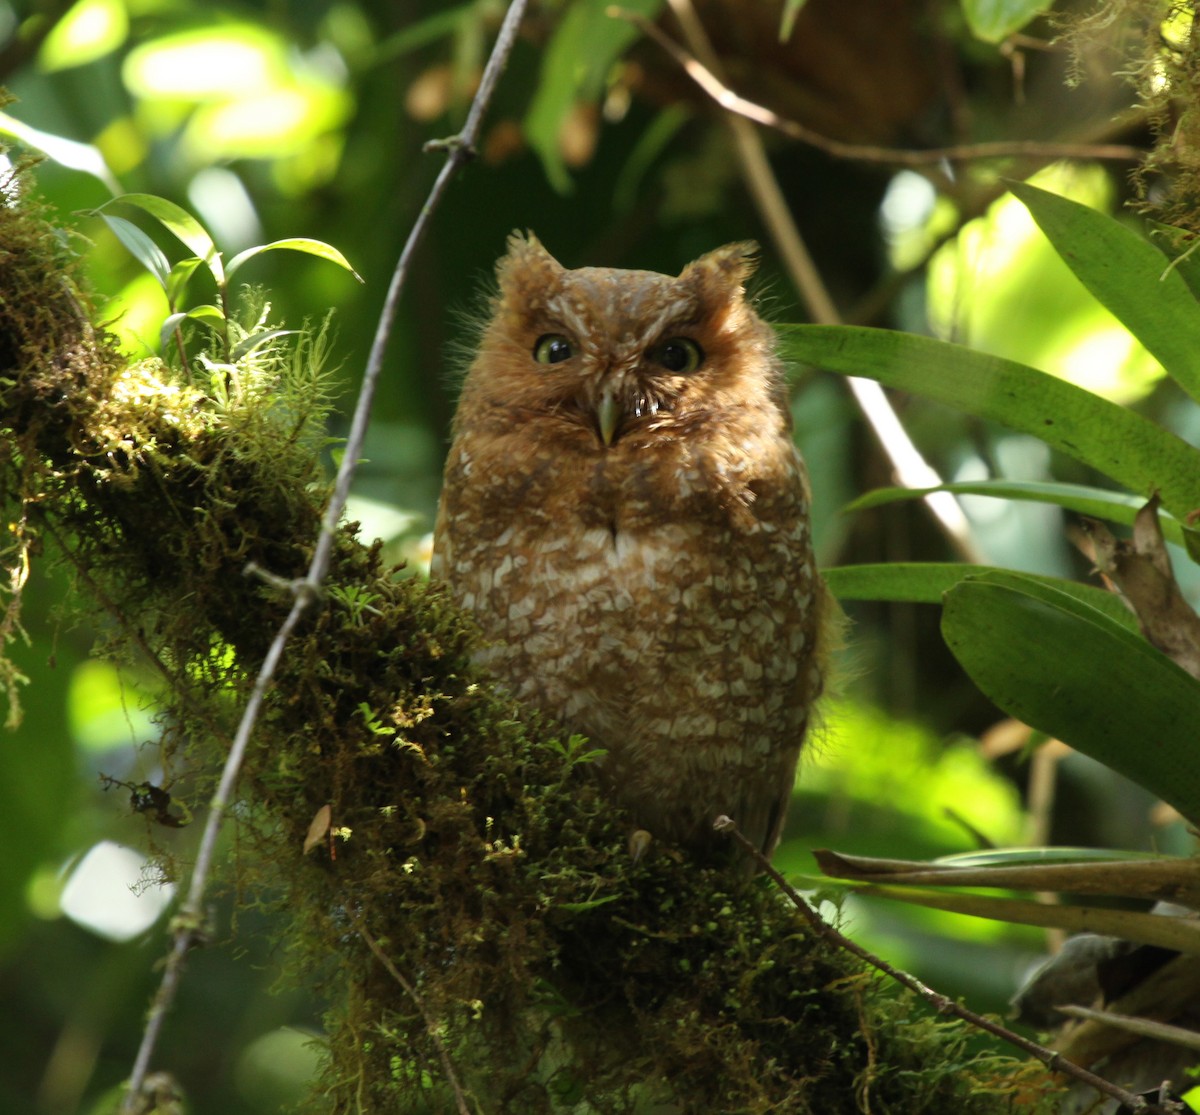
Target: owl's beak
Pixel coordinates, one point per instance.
(608, 415)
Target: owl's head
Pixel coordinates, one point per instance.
(615, 356)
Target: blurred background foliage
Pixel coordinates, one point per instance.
(307, 118)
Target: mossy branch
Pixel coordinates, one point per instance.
(530, 965)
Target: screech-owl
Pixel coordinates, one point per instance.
(626, 516)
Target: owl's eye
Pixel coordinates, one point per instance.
(552, 348)
(679, 354)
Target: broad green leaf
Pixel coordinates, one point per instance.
(141, 247)
(294, 244)
(1129, 276)
(1069, 670)
(1130, 449)
(928, 583)
(181, 224)
(1099, 503)
(994, 20)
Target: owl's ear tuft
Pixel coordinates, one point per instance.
(525, 258)
(724, 269)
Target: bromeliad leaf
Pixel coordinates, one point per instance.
(1129, 276)
(1130, 449)
(928, 582)
(1099, 503)
(294, 244)
(1071, 671)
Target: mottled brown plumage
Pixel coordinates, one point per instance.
(625, 514)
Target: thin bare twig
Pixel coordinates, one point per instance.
(460, 1100)
(1055, 1062)
(188, 924)
(911, 468)
(705, 76)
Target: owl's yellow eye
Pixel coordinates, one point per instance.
(552, 348)
(679, 354)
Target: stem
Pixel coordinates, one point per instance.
(911, 469)
(1055, 1062)
(188, 924)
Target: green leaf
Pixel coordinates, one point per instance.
(1067, 669)
(181, 224)
(1129, 276)
(1131, 449)
(575, 66)
(294, 244)
(178, 279)
(1099, 503)
(994, 20)
(141, 247)
(1181, 934)
(255, 340)
(208, 315)
(787, 21)
(928, 582)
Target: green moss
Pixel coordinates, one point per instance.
(472, 915)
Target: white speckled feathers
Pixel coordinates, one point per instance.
(626, 516)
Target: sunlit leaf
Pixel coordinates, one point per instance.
(181, 224)
(256, 340)
(787, 21)
(225, 60)
(294, 244)
(207, 315)
(66, 152)
(1130, 449)
(1099, 503)
(1129, 276)
(1040, 655)
(928, 582)
(141, 247)
(90, 30)
(178, 278)
(994, 20)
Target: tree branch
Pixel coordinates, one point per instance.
(187, 926)
(1055, 1062)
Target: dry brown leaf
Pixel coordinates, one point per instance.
(318, 828)
(1141, 568)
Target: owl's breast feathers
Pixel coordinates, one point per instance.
(661, 600)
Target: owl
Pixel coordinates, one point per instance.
(627, 518)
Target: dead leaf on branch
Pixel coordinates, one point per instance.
(1140, 568)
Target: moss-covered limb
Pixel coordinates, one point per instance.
(468, 840)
